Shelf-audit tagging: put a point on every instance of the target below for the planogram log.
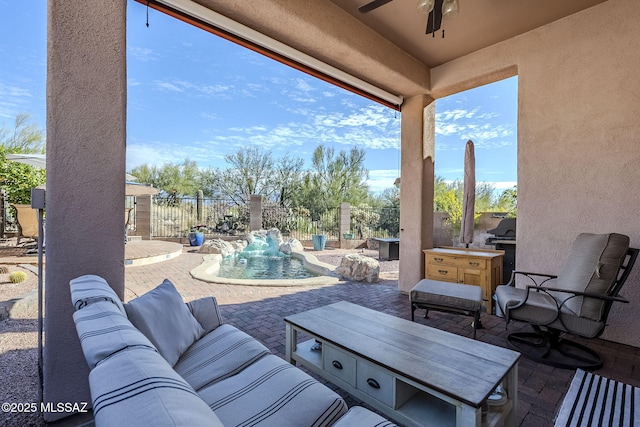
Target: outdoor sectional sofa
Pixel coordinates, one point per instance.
(158, 361)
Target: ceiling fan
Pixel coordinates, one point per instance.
(437, 9)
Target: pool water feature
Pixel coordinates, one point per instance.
(262, 264)
(264, 267)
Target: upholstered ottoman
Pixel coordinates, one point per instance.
(448, 297)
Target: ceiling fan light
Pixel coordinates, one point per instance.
(450, 9)
(425, 6)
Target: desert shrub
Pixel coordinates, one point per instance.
(17, 277)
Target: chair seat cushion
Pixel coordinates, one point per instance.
(221, 353)
(540, 308)
(272, 392)
(454, 295)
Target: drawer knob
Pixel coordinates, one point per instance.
(373, 383)
(336, 364)
(443, 272)
(438, 259)
(474, 263)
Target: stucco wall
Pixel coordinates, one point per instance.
(86, 104)
(578, 136)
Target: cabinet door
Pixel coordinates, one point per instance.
(470, 276)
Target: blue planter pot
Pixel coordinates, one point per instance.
(319, 240)
(196, 238)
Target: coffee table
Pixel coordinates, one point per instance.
(414, 374)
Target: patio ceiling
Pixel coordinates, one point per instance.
(479, 24)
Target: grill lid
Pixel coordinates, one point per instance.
(506, 228)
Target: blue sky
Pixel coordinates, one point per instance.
(191, 94)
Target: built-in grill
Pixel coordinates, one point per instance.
(506, 230)
(504, 239)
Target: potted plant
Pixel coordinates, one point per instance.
(318, 240)
(196, 235)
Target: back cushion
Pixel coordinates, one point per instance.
(103, 331)
(592, 266)
(164, 318)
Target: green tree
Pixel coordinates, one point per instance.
(508, 201)
(17, 179)
(250, 171)
(173, 180)
(335, 179)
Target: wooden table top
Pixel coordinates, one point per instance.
(462, 368)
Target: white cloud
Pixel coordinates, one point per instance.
(142, 54)
(381, 179)
(169, 86)
(484, 129)
(13, 100)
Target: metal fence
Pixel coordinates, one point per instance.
(299, 223)
(368, 222)
(175, 217)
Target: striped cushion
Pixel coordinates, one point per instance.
(595, 401)
(104, 330)
(137, 387)
(361, 417)
(206, 312)
(592, 266)
(85, 289)
(164, 318)
(272, 392)
(223, 352)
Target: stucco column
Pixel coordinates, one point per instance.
(255, 212)
(86, 119)
(416, 188)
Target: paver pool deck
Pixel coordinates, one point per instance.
(259, 311)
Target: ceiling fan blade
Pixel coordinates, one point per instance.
(372, 5)
(434, 20)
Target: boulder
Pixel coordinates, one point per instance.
(238, 245)
(217, 246)
(291, 245)
(251, 236)
(359, 268)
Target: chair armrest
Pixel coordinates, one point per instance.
(579, 294)
(531, 276)
(206, 312)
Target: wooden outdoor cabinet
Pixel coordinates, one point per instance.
(469, 266)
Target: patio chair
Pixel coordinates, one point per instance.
(578, 303)
(27, 219)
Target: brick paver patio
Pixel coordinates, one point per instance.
(259, 311)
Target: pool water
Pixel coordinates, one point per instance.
(264, 267)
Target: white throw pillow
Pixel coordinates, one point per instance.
(164, 318)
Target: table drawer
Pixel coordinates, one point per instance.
(442, 272)
(339, 364)
(375, 382)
